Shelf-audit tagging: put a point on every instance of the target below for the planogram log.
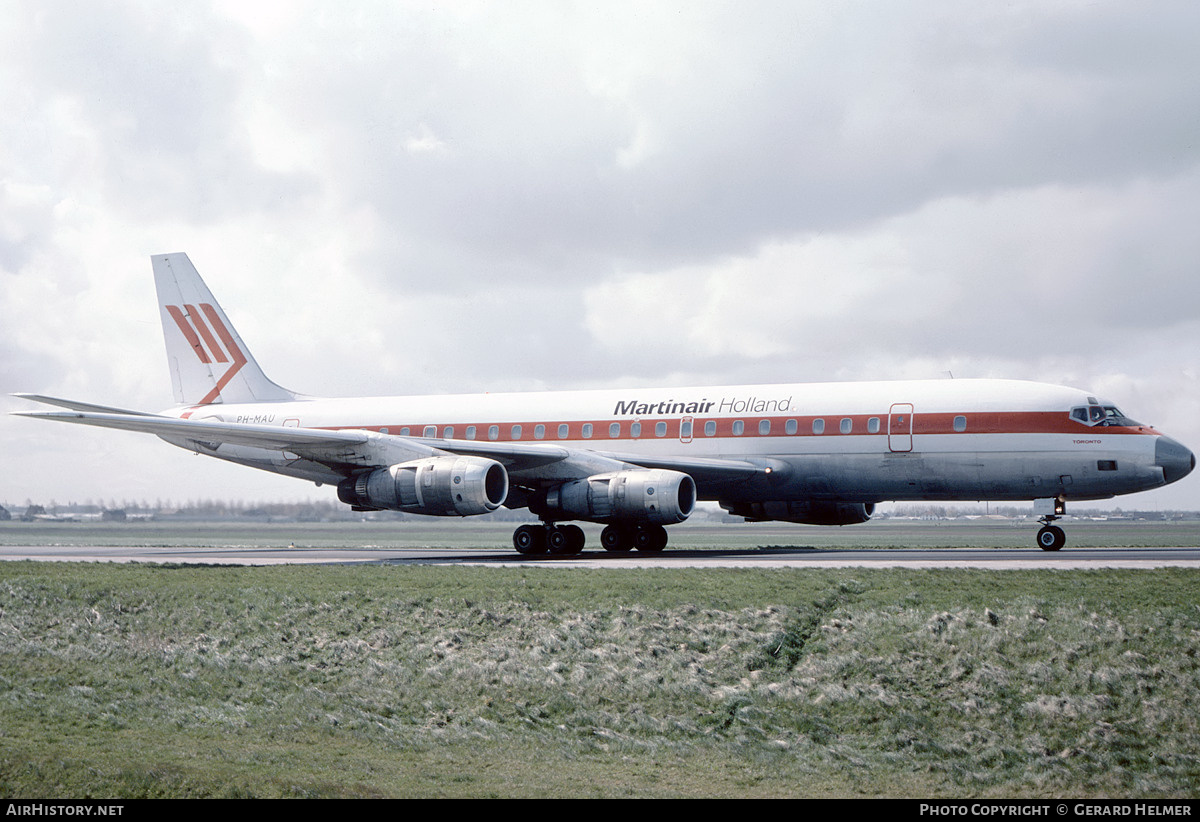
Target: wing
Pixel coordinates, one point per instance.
(548, 463)
(348, 451)
(344, 452)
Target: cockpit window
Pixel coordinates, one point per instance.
(1104, 415)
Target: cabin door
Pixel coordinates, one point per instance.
(900, 427)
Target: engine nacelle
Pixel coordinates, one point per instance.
(437, 486)
(806, 512)
(650, 497)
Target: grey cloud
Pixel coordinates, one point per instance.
(1002, 190)
(149, 105)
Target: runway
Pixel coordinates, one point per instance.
(775, 557)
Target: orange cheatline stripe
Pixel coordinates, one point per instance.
(935, 423)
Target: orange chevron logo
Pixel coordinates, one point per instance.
(198, 329)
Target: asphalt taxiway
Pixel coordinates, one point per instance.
(780, 557)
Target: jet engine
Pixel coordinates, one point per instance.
(650, 497)
(806, 512)
(437, 486)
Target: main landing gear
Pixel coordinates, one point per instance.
(649, 539)
(569, 539)
(553, 539)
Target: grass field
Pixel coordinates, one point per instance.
(143, 680)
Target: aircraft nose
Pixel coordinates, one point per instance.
(1173, 458)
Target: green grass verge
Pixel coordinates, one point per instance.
(127, 681)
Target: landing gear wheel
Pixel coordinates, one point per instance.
(530, 540)
(556, 540)
(650, 539)
(564, 539)
(576, 539)
(616, 539)
(1051, 538)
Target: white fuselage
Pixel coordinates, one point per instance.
(853, 442)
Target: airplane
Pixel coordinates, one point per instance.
(639, 460)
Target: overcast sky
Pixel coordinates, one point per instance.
(394, 198)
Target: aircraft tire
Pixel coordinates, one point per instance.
(650, 539)
(564, 539)
(616, 539)
(576, 539)
(1051, 538)
(530, 540)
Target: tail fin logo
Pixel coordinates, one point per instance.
(198, 329)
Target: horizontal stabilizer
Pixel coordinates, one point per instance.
(82, 406)
(209, 431)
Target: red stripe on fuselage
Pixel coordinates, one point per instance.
(1016, 422)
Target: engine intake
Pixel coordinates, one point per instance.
(805, 512)
(436, 486)
(650, 497)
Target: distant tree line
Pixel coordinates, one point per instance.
(220, 510)
(331, 511)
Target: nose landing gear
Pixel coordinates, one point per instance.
(1051, 537)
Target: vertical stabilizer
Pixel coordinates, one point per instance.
(209, 362)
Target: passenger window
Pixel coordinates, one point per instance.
(539, 431)
(660, 429)
(960, 423)
(587, 430)
(614, 430)
(562, 431)
(470, 432)
(516, 432)
(635, 430)
(738, 428)
(873, 425)
(847, 425)
(818, 426)
(764, 427)
(685, 430)
(493, 432)
(448, 432)
(710, 428)
(404, 432)
(431, 431)
(790, 427)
